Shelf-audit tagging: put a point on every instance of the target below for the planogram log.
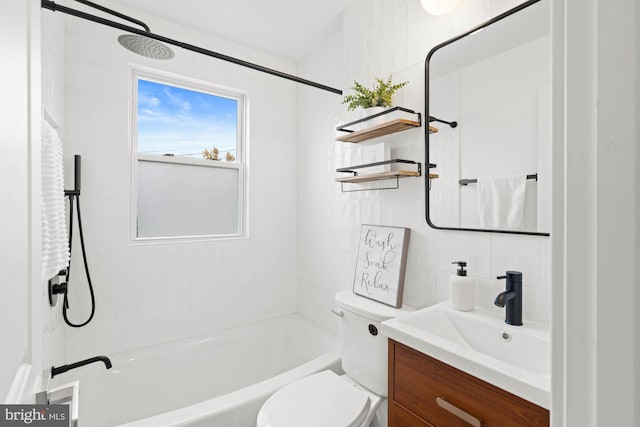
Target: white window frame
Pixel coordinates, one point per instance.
(162, 77)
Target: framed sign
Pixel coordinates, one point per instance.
(381, 263)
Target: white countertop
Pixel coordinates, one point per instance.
(473, 342)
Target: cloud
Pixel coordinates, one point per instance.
(147, 100)
(177, 100)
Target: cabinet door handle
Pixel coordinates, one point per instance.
(465, 416)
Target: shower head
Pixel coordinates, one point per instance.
(139, 44)
(145, 46)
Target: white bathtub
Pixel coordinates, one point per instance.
(219, 380)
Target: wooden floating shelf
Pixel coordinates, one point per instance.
(381, 176)
(393, 126)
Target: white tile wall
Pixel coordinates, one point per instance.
(157, 292)
(376, 38)
(490, 256)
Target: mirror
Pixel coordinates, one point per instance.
(493, 168)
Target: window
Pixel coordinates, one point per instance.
(188, 175)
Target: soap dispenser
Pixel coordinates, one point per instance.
(462, 290)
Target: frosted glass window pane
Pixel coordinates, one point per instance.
(186, 200)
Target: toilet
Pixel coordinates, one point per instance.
(328, 399)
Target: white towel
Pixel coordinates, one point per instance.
(55, 245)
(501, 201)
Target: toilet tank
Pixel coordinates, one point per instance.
(364, 349)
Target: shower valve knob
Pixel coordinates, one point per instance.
(60, 288)
(54, 290)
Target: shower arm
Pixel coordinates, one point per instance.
(51, 5)
(114, 13)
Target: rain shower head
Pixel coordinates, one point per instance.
(139, 44)
(145, 46)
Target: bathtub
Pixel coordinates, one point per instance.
(220, 380)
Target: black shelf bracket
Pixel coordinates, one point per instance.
(431, 166)
(349, 169)
(343, 128)
(435, 119)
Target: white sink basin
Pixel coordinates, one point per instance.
(515, 358)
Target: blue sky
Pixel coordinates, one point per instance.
(184, 122)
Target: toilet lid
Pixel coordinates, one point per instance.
(319, 400)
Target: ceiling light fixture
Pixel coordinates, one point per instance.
(438, 7)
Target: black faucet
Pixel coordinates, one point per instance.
(64, 368)
(511, 298)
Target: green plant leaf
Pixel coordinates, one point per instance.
(379, 96)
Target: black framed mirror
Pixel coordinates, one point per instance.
(488, 94)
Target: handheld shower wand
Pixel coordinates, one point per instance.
(75, 195)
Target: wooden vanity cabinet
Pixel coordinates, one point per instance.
(424, 392)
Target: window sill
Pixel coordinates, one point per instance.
(184, 239)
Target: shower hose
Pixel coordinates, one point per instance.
(65, 305)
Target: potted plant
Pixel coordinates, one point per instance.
(380, 95)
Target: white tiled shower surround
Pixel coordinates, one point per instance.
(378, 38)
(149, 293)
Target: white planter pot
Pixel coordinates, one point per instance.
(361, 113)
(375, 121)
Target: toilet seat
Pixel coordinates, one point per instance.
(319, 400)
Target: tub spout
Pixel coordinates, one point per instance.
(64, 368)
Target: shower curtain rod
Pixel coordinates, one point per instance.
(51, 5)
